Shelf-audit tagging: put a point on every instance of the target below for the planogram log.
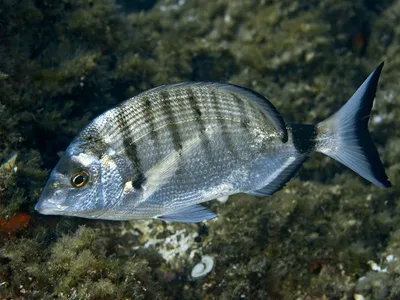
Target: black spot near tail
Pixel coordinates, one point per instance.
(303, 136)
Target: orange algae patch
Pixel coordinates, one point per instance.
(14, 224)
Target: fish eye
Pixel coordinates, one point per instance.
(80, 178)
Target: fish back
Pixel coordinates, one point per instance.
(179, 108)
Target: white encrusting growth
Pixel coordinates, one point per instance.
(204, 267)
(173, 246)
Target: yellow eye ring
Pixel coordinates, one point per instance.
(80, 178)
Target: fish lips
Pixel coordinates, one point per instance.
(50, 204)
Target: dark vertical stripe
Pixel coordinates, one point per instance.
(173, 129)
(96, 141)
(226, 137)
(245, 113)
(130, 148)
(195, 107)
(194, 104)
(150, 120)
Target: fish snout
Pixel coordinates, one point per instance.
(48, 207)
(50, 204)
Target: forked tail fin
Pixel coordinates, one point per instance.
(344, 136)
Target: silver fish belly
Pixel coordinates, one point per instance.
(161, 153)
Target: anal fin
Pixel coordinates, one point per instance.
(281, 178)
(191, 214)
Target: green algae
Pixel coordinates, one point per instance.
(64, 62)
(76, 266)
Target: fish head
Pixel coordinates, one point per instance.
(74, 187)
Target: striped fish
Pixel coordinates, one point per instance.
(162, 153)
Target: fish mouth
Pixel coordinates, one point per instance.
(49, 208)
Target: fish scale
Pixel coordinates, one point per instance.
(162, 153)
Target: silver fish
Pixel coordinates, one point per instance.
(161, 153)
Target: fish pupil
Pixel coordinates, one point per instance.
(79, 179)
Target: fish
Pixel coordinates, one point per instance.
(165, 151)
